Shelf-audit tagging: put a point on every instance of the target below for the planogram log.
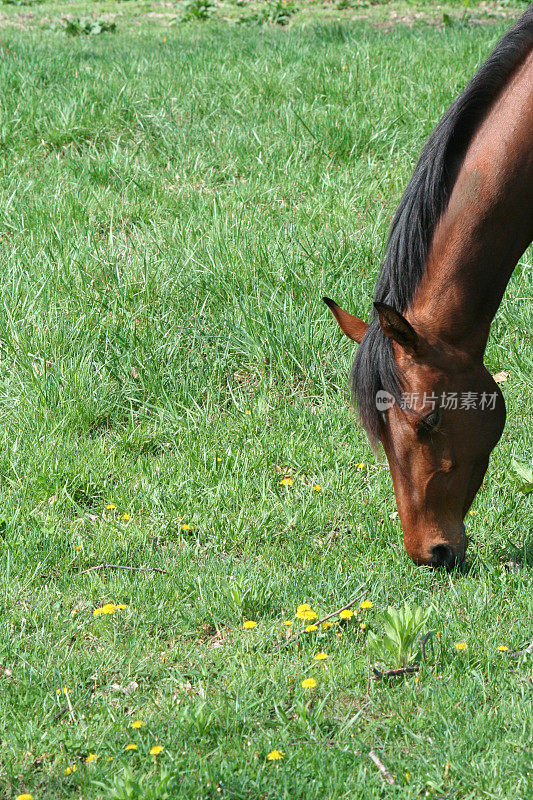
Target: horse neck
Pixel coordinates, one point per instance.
(486, 226)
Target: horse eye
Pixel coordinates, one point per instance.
(432, 420)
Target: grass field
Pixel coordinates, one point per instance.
(174, 202)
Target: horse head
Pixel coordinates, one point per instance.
(438, 426)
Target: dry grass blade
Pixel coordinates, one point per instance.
(6, 48)
(121, 566)
(385, 774)
(394, 673)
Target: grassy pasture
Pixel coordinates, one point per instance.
(174, 203)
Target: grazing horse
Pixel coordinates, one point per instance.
(419, 380)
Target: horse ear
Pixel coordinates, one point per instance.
(353, 327)
(396, 327)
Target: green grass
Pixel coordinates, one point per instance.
(175, 201)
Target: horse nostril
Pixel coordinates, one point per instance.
(443, 556)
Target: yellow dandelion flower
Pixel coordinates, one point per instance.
(156, 749)
(121, 607)
(70, 770)
(131, 746)
(286, 482)
(367, 604)
(321, 656)
(249, 624)
(360, 465)
(308, 683)
(304, 607)
(362, 625)
(502, 648)
(307, 614)
(137, 724)
(126, 517)
(438, 633)
(248, 411)
(24, 797)
(77, 548)
(310, 628)
(91, 758)
(346, 614)
(407, 776)
(288, 622)
(461, 646)
(109, 608)
(317, 487)
(472, 513)
(326, 625)
(275, 755)
(64, 690)
(185, 527)
(110, 507)
(218, 459)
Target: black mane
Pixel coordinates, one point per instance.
(421, 207)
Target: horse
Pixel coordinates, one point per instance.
(419, 381)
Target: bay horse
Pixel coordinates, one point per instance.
(419, 381)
